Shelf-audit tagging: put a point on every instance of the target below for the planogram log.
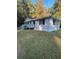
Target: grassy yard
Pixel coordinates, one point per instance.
(37, 45)
(57, 33)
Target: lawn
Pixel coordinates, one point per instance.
(57, 33)
(37, 45)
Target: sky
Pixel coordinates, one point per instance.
(46, 3)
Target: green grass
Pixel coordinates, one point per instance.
(57, 33)
(37, 45)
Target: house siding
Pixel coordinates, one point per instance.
(49, 22)
(48, 26)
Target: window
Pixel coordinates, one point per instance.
(26, 22)
(42, 22)
(34, 22)
(54, 22)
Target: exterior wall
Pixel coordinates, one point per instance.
(49, 25)
(36, 23)
(59, 23)
(49, 22)
(47, 28)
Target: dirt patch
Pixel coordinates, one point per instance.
(57, 41)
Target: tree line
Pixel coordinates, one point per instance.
(25, 9)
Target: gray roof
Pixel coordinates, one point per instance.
(29, 19)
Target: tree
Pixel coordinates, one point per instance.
(57, 9)
(20, 16)
(24, 10)
(38, 9)
(57, 12)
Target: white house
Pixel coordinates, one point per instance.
(43, 24)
